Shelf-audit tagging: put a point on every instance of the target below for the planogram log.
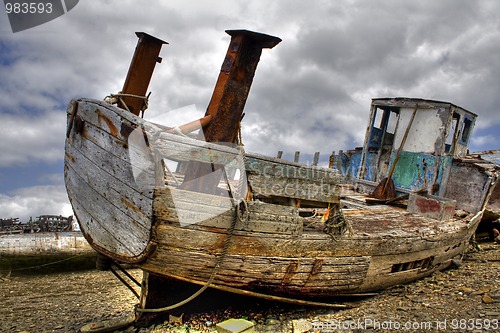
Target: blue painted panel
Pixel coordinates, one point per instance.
(350, 166)
(370, 165)
(375, 137)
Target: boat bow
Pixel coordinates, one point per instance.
(109, 179)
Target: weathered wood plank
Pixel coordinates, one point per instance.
(119, 193)
(112, 229)
(211, 240)
(177, 206)
(269, 177)
(269, 186)
(381, 244)
(255, 270)
(265, 165)
(106, 116)
(279, 265)
(171, 147)
(132, 161)
(110, 119)
(101, 236)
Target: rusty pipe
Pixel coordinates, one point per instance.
(193, 125)
(234, 82)
(228, 101)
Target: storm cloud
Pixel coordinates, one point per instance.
(310, 93)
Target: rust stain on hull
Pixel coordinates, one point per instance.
(70, 157)
(290, 272)
(112, 128)
(130, 205)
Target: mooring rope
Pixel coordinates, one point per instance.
(114, 98)
(47, 264)
(220, 258)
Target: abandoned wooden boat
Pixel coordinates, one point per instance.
(293, 229)
(210, 213)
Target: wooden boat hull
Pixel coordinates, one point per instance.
(132, 211)
(387, 248)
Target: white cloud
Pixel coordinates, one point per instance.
(484, 140)
(35, 201)
(29, 138)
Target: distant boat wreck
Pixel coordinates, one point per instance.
(49, 242)
(198, 208)
(43, 223)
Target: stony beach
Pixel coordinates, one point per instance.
(466, 299)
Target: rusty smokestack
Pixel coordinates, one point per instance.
(228, 100)
(233, 85)
(141, 69)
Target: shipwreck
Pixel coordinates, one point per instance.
(46, 243)
(196, 207)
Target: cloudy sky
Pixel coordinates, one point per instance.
(311, 92)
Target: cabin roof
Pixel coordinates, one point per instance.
(410, 102)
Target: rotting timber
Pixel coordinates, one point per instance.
(212, 214)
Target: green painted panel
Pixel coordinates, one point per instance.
(415, 171)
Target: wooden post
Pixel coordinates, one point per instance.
(331, 160)
(140, 72)
(234, 82)
(296, 157)
(316, 158)
(339, 160)
(228, 100)
(141, 69)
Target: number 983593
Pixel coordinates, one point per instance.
(28, 7)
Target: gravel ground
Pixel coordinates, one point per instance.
(466, 299)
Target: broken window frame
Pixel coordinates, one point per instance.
(466, 130)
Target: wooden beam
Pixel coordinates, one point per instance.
(316, 158)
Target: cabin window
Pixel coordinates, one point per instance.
(466, 130)
(379, 119)
(383, 127)
(376, 130)
(393, 120)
